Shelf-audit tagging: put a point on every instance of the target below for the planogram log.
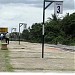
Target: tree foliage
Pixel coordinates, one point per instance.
(56, 30)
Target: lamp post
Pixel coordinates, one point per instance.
(11, 32)
(57, 10)
(21, 24)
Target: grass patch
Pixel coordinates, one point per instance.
(5, 65)
(8, 66)
(4, 56)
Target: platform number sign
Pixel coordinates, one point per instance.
(58, 7)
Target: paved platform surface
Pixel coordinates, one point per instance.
(26, 57)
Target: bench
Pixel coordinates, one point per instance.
(4, 46)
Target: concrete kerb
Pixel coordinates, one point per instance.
(4, 46)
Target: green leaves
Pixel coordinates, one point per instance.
(56, 30)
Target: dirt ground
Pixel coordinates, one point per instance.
(27, 57)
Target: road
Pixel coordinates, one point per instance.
(26, 57)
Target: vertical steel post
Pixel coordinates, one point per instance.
(11, 34)
(45, 7)
(19, 33)
(43, 29)
(20, 24)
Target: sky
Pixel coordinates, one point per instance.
(13, 12)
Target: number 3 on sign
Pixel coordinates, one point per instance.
(58, 7)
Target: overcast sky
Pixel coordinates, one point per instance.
(13, 12)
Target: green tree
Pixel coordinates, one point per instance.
(36, 32)
(25, 35)
(52, 29)
(68, 25)
(56, 30)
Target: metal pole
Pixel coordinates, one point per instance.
(43, 29)
(20, 24)
(45, 7)
(19, 33)
(11, 34)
